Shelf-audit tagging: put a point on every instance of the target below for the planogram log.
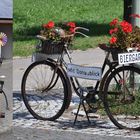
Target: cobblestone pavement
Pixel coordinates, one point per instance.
(22, 118)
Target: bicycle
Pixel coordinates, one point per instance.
(47, 89)
(6, 105)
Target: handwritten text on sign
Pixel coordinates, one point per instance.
(127, 58)
(92, 73)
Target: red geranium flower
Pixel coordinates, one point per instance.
(49, 25)
(54, 33)
(71, 24)
(126, 27)
(72, 30)
(123, 34)
(113, 22)
(113, 31)
(113, 40)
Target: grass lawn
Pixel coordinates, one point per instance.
(29, 15)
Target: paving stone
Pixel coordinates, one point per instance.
(98, 126)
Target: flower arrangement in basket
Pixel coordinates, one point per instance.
(55, 37)
(123, 36)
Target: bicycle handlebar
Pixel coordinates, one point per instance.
(77, 28)
(68, 36)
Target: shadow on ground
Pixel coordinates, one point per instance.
(66, 121)
(95, 29)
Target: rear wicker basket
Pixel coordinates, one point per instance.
(115, 52)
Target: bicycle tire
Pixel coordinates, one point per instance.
(122, 97)
(44, 104)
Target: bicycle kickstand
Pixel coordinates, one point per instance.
(81, 103)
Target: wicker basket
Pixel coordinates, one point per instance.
(49, 47)
(115, 52)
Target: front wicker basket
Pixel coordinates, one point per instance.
(49, 47)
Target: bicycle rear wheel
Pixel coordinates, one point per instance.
(122, 97)
(45, 99)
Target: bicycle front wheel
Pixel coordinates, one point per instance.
(44, 90)
(122, 97)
